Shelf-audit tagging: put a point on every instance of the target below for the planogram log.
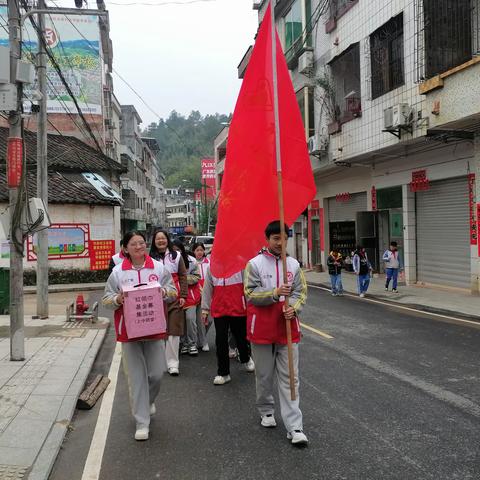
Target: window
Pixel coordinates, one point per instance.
(305, 98)
(338, 7)
(448, 33)
(345, 73)
(297, 26)
(386, 56)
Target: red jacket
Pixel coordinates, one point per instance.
(224, 297)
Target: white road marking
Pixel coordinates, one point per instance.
(93, 463)
(410, 309)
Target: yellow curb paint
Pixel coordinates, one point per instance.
(318, 332)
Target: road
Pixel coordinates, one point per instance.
(393, 395)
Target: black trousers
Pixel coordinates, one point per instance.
(238, 327)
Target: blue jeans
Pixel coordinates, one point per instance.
(336, 280)
(363, 281)
(392, 273)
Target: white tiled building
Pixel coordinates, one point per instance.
(390, 94)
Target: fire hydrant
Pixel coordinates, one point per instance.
(81, 306)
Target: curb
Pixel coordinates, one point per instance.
(43, 464)
(415, 306)
(61, 288)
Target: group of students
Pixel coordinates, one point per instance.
(250, 304)
(363, 269)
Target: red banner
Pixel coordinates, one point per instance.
(343, 197)
(478, 225)
(374, 198)
(471, 204)
(208, 179)
(322, 236)
(101, 251)
(14, 162)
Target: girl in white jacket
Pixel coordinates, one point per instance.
(143, 358)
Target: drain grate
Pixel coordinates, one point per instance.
(13, 472)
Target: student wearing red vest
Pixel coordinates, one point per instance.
(143, 358)
(223, 298)
(266, 329)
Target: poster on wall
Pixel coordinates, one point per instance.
(75, 44)
(101, 251)
(65, 240)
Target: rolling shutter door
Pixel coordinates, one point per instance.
(443, 238)
(347, 211)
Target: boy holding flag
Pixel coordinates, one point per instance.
(267, 313)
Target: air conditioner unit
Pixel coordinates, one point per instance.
(317, 144)
(400, 115)
(305, 62)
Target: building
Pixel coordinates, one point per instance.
(181, 210)
(84, 204)
(389, 90)
(142, 184)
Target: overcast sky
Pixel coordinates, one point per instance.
(180, 57)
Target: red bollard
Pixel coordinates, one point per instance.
(81, 306)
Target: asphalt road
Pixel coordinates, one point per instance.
(393, 395)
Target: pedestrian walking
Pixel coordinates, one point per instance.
(393, 265)
(190, 338)
(223, 298)
(198, 249)
(143, 358)
(162, 250)
(363, 269)
(116, 259)
(266, 327)
(335, 265)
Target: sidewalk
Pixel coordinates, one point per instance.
(38, 396)
(438, 300)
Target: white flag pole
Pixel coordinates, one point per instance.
(278, 155)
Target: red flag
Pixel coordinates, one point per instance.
(249, 191)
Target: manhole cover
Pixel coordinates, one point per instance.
(13, 472)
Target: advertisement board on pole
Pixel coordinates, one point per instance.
(75, 43)
(208, 178)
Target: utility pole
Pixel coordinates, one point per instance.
(42, 167)
(15, 167)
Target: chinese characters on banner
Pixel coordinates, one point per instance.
(101, 251)
(374, 198)
(471, 204)
(14, 161)
(144, 311)
(208, 178)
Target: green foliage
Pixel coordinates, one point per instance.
(184, 141)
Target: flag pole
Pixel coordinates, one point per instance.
(291, 371)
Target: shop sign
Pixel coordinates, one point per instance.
(471, 204)
(101, 251)
(374, 198)
(14, 162)
(343, 197)
(419, 181)
(478, 225)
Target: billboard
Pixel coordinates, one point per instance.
(75, 44)
(208, 178)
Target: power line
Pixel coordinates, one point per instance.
(161, 4)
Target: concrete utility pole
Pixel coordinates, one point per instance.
(42, 168)
(17, 333)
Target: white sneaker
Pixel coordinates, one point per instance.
(141, 434)
(173, 371)
(205, 348)
(362, 295)
(268, 421)
(250, 365)
(297, 437)
(153, 409)
(221, 380)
